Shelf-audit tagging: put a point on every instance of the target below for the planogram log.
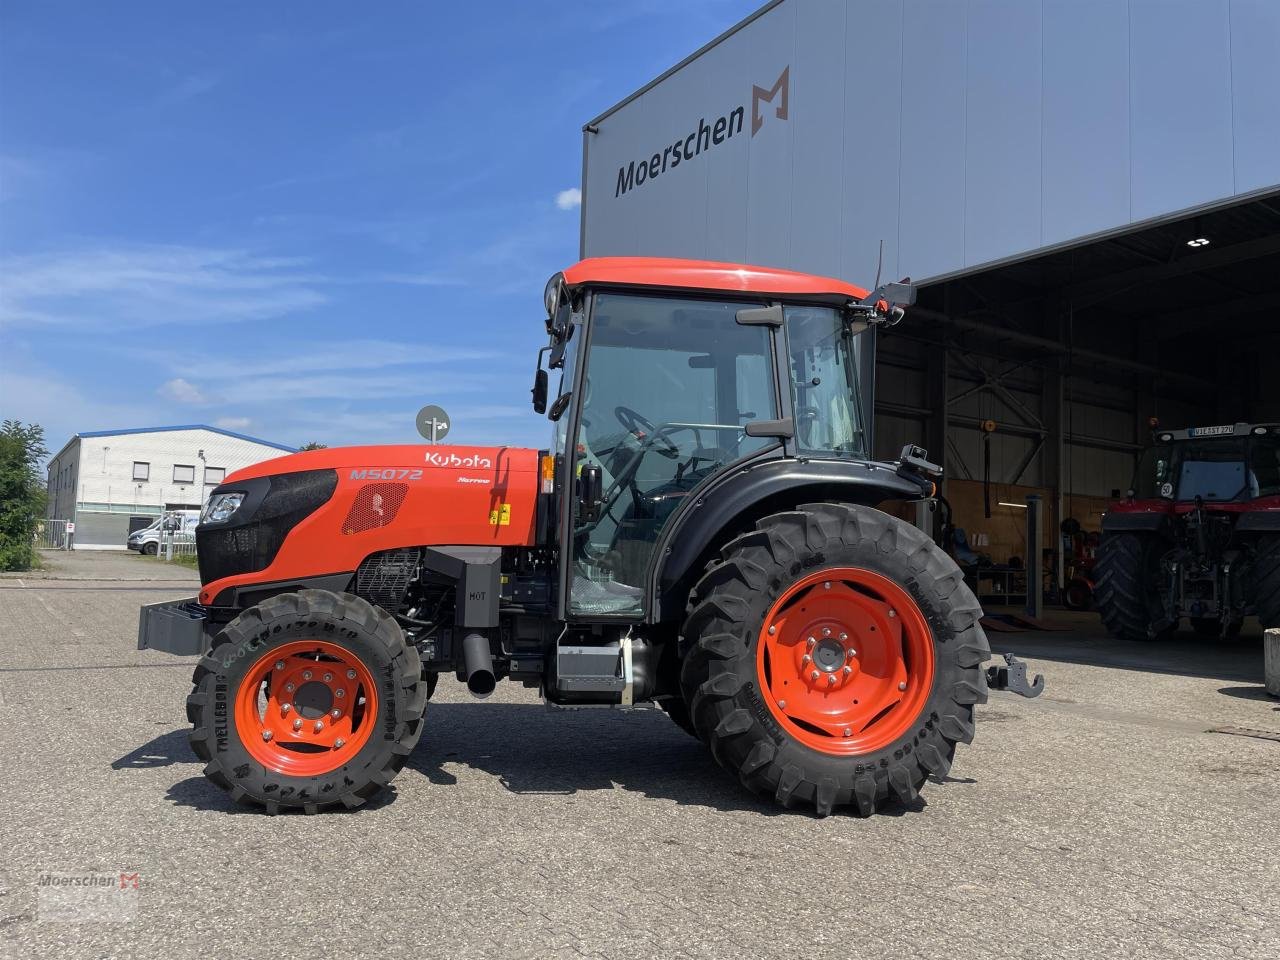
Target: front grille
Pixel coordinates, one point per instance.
(251, 545)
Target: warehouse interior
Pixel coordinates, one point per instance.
(1041, 375)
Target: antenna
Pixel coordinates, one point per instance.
(879, 265)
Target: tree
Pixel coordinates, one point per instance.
(314, 445)
(22, 493)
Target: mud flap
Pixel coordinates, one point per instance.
(1012, 676)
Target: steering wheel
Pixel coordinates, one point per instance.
(645, 431)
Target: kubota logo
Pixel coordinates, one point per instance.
(474, 461)
(709, 135)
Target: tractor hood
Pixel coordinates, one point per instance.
(320, 513)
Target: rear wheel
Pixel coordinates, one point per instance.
(1126, 589)
(151, 549)
(308, 700)
(834, 658)
(1266, 581)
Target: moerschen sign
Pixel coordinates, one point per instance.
(707, 135)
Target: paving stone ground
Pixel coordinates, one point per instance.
(1101, 820)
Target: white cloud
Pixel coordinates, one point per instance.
(110, 289)
(181, 391)
(569, 199)
(233, 423)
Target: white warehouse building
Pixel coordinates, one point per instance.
(111, 481)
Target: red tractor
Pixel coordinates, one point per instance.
(1198, 535)
(702, 534)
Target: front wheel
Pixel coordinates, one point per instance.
(1266, 581)
(834, 658)
(308, 700)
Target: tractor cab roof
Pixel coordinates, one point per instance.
(702, 275)
(1217, 432)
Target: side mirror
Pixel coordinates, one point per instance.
(539, 391)
(590, 491)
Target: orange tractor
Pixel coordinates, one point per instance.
(702, 534)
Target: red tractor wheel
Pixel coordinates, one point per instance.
(834, 657)
(308, 700)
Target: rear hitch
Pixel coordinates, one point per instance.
(1012, 676)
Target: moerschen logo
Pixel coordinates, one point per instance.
(709, 135)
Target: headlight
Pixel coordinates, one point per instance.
(220, 507)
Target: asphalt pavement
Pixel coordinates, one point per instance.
(1101, 820)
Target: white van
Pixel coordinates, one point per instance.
(181, 523)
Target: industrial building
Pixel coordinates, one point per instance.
(1086, 191)
(108, 482)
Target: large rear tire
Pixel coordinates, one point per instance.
(833, 657)
(1266, 581)
(1126, 589)
(308, 700)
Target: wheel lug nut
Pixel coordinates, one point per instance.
(782, 704)
(289, 687)
(831, 679)
(336, 714)
(339, 692)
(328, 678)
(266, 734)
(848, 731)
(351, 674)
(772, 630)
(826, 631)
(279, 664)
(319, 725)
(852, 653)
(306, 674)
(827, 585)
(297, 724)
(814, 675)
(902, 685)
(892, 613)
(285, 708)
(339, 743)
(806, 658)
(844, 637)
(847, 671)
(811, 641)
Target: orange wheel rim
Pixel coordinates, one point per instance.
(306, 708)
(845, 661)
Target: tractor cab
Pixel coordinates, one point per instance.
(1232, 463)
(675, 373)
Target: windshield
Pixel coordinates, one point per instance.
(1217, 471)
(824, 377)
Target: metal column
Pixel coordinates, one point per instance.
(1035, 556)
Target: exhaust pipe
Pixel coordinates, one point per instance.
(479, 665)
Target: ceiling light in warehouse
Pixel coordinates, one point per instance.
(1198, 242)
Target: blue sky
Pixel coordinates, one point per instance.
(300, 221)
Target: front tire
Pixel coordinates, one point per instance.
(308, 700)
(150, 549)
(813, 591)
